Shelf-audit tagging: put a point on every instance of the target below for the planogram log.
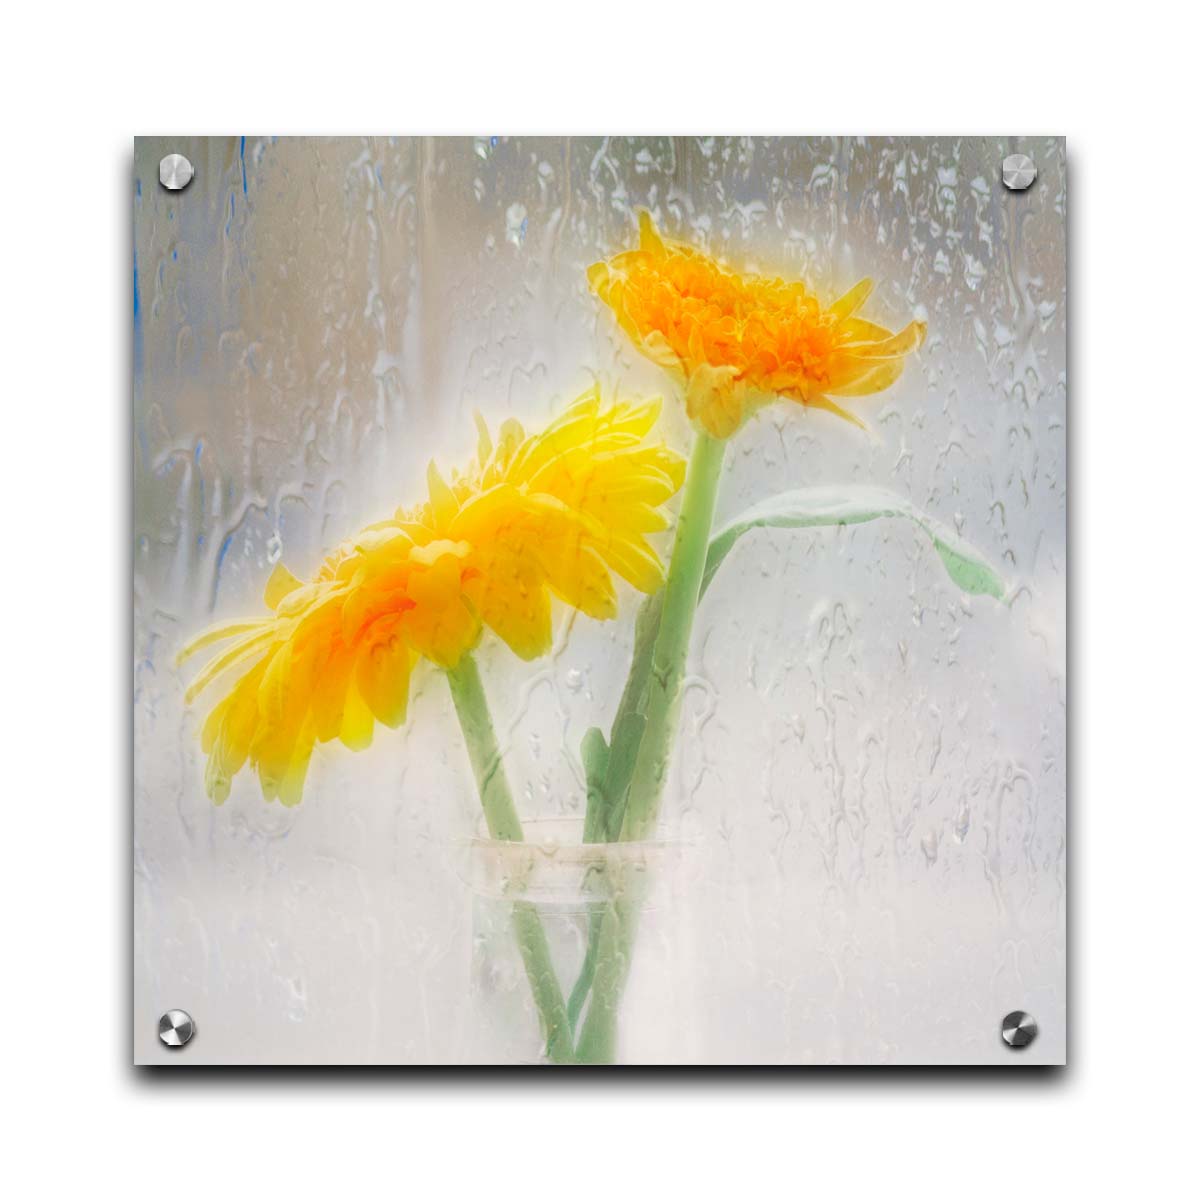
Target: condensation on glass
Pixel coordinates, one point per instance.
(872, 763)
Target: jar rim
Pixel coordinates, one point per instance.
(570, 849)
(557, 867)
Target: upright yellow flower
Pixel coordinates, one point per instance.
(738, 341)
(554, 513)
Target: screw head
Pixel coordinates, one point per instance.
(1018, 172)
(175, 172)
(1018, 1029)
(175, 1029)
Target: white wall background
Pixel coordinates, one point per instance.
(1116, 1116)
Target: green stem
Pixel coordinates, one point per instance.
(504, 825)
(588, 969)
(669, 663)
(663, 688)
(608, 777)
(598, 1039)
(629, 725)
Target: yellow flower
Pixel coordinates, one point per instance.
(554, 513)
(738, 341)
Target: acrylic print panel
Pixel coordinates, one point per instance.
(578, 621)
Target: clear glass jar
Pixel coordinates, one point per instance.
(572, 889)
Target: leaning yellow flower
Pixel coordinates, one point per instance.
(738, 341)
(553, 513)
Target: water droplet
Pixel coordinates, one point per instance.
(962, 823)
(274, 548)
(929, 847)
(574, 679)
(516, 222)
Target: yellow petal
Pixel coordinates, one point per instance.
(829, 406)
(637, 518)
(635, 562)
(632, 420)
(714, 400)
(273, 692)
(218, 633)
(431, 553)
(358, 723)
(872, 379)
(852, 301)
(272, 753)
(439, 625)
(291, 785)
(511, 599)
(385, 539)
(228, 735)
(856, 332)
(484, 450)
(509, 441)
(217, 781)
(281, 583)
(904, 342)
(308, 598)
(578, 425)
(648, 236)
(598, 277)
(329, 695)
(211, 728)
(250, 647)
(441, 498)
(580, 578)
(658, 350)
(384, 666)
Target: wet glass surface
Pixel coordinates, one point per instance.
(872, 762)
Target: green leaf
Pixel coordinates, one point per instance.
(812, 507)
(629, 723)
(649, 618)
(627, 742)
(593, 750)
